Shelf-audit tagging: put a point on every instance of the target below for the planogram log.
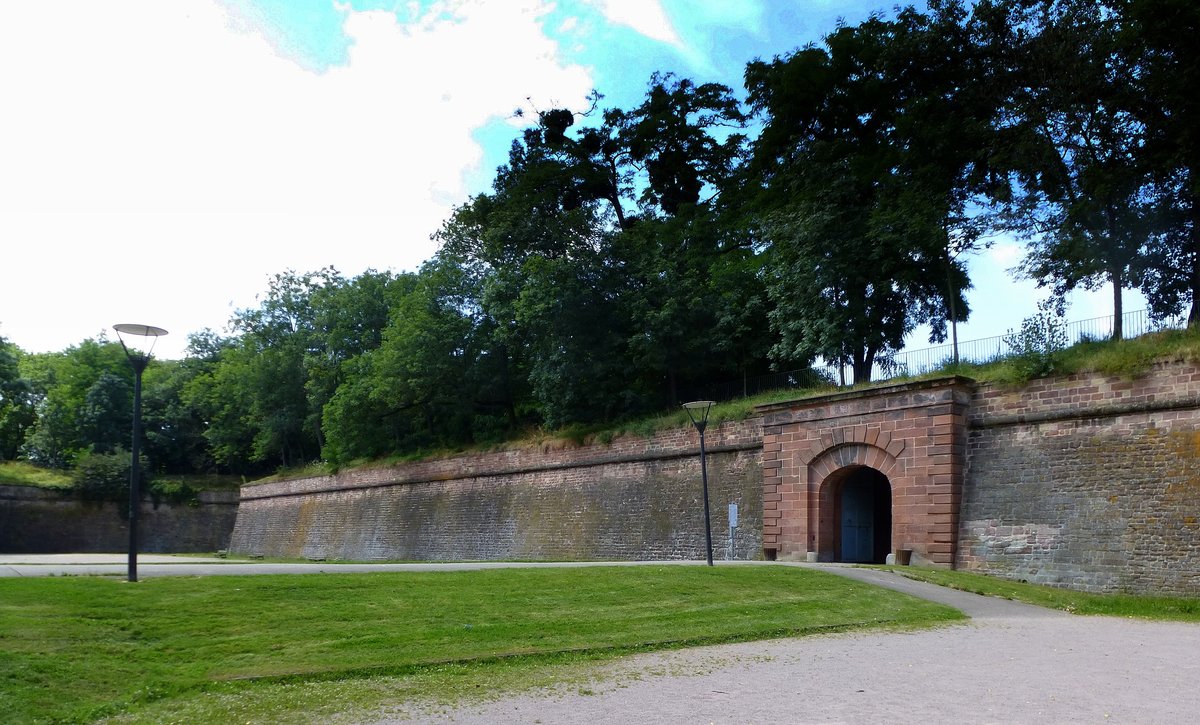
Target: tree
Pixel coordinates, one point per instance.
(16, 402)
(217, 395)
(273, 379)
(852, 270)
(82, 399)
(1156, 37)
(1082, 194)
(949, 87)
(692, 292)
(413, 391)
(537, 250)
(349, 318)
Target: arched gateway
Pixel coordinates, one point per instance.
(855, 476)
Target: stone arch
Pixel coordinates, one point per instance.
(841, 455)
(828, 474)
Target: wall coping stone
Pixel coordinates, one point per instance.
(18, 492)
(882, 391)
(1092, 412)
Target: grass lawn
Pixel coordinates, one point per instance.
(305, 648)
(20, 473)
(1180, 609)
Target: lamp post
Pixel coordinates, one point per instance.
(698, 413)
(139, 358)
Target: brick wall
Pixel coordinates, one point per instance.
(40, 521)
(1087, 481)
(637, 498)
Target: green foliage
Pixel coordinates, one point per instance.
(17, 412)
(1156, 38)
(864, 228)
(84, 648)
(1036, 349)
(626, 258)
(81, 399)
(1083, 197)
(105, 476)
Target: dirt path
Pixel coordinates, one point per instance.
(1011, 663)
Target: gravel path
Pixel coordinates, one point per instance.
(1011, 663)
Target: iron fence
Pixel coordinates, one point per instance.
(920, 362)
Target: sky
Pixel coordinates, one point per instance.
(161, 161)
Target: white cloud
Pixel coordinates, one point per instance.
(155, 145)
(1006, 254)
(644, 16)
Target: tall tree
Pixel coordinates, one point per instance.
(411, 392)
(1156, 36)
(16, 402)
(538, 246)
(850, 273)
(83, 400)
(693, 294)
(1083, 194)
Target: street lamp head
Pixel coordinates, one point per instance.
(140, 343)
(697, 411)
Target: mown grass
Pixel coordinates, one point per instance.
(1183, 609)
(287, 648)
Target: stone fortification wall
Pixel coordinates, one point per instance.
(637, 498)
(1087, 481)
(40, 521)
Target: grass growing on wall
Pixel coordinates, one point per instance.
(303, 648)
(1127, 358)
(20, 473)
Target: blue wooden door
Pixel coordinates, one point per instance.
(858, 523)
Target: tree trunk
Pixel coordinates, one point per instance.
(864, 360)
(1194, 248)
(953, 306)
(1118, 282)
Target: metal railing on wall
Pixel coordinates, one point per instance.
(920, 362)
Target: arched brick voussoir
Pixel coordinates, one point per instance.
(853, 454)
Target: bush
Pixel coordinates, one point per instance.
(1036, 350)
(105, 476)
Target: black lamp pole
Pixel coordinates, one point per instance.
(698, 413)
(138, 361)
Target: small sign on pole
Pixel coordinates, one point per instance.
(729, 555)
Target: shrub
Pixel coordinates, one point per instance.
(1036, 350)
(105, 476)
